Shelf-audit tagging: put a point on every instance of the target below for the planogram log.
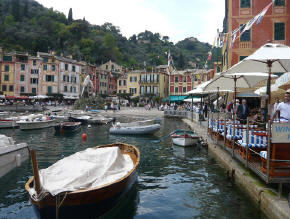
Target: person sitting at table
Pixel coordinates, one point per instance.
(284, 109)
(243, 112)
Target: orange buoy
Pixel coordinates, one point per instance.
(84, 137)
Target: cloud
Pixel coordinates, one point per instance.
(177, 19)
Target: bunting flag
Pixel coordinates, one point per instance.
(221, 38)
(263, 12)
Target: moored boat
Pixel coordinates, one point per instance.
(11, 154)
(87, 191)
(9, 122)
(185, 138)
(134, 129)
(68, 127)
(36, 122)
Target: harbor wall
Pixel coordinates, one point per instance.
(267, 200)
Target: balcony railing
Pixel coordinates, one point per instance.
(148, 81)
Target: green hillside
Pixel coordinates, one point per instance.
(25, 25)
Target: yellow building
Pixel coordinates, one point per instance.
(133, 83)
(49, 69)
(122, 84)
(7, 73)
(140, 83)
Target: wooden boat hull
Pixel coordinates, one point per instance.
(67, 127)
(185, 141)
(89, 203)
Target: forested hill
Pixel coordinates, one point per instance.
(25, 25)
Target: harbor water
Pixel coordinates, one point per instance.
(174, 182)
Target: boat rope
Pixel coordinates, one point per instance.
(58, 204)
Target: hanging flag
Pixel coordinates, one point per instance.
(209, 56)
(263, 12)
(169, 59)
(234, 36)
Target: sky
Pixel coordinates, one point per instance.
(177, 19)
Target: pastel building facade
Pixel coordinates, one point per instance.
(274, 27)
(7, 73)
(35, 76)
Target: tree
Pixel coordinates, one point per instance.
(70, 16)
(180, 61)
(126, 96)
(16, 10)
(25, 10)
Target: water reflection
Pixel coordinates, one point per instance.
(174, 182)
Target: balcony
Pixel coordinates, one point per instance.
(148, 81)
(246, 45)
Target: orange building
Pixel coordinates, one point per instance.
(274, 27)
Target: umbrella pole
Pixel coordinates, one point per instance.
(269, 63)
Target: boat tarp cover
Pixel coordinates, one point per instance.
(85, 169)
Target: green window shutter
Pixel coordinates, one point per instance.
(279, 33)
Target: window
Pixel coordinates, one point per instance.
(71, 89)
(53, 67)
(63, 78)
(142, 90)
(4, 88)
(34, 80)
(243, 57)
(176, 89)
(246, 36)
(176, 79)
(65, 88)
(73, 68)
(184, 79)
(44, 67)
(49, 89)
(155, 89)
(22, 78)
(279, 29)
(184, 89)
(34, 71)
(133, 90)
(11, 88)
(124, 83)
(195, 78)
(22, 67)
(107, 66)
(34, 62)
(133, 79)
(66, 67)
(245, 3)
(148, 89)
(7, 58)
(6, 68)
(45, 59)
(49, 78)
(6, 77)
(33, 90)
(279, 2)
(21, 89)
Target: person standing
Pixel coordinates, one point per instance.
(243, 112)
(205, 110)
(284, 109)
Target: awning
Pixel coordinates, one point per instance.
(177, 98)
(248, 95)
(10, 97)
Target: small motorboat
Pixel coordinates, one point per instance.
(36, 122)
(11, 154)
(65, 127)
(185, 138)
(135, 128)
(102, 176)
(83, 119)
(9, 122)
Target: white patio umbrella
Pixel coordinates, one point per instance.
(232, 81)
(283, 82)
(194, 100)
(268, 58)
